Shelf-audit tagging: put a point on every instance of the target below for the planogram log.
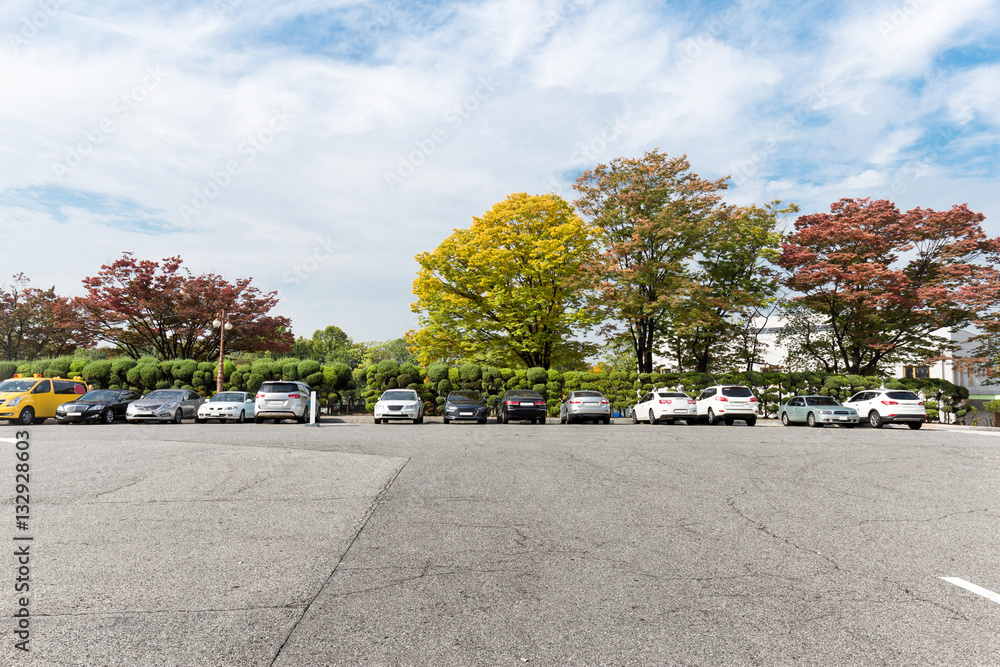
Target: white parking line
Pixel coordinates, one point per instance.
(978, 590)
(995, 434)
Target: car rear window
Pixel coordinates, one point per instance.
(279, 388)
(737, 392)
(671, 394)
(589, 394)
(525, 393)
(902, 396)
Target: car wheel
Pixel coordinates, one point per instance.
(504, 418)
(652, 419)
(178, 417)
(108, 416)
(606, 420)
(915, 425)
(728, 421)
(751, 421)
(258, 420)
(712, 419)
(242, 418)
(378, 421)
(875, 419)
(635, 419)
(481, 421)
(27, 417)
(692, 422)
(542, 420)
(784, 419)
(811, 420)
(416, 420)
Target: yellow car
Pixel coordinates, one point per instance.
(32, 400)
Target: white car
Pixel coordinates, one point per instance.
(236, 406)
(728, 403)
(665, 405)
(399, 404)
(889, 406)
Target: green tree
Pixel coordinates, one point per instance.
(653, 213)
(512, 286)
(732, 282)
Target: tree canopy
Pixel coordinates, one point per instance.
(881, 282)
(511, 287)
(148, 307)
(37, 323)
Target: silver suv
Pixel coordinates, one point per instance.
(888, 406)
(282, 399)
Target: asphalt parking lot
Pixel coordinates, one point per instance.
(520, 544)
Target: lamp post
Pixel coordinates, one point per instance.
(223, 325)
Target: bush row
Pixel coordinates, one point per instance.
(149, 373)
(622, 389)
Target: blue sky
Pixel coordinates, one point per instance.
(317, 146)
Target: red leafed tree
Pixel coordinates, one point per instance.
(37, 323)
(149, 307)
(879, 282)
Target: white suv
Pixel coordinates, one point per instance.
(727, 403)
(665, 405)
(888, 406)
(278, 400)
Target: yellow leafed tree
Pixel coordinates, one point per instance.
(511, 288)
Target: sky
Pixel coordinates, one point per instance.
(318, 145)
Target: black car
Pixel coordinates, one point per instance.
(522, 404)
(97, 405)
(465, 404)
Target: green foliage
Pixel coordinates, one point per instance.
(149, 375)
(7, 369)
(76, 366)
(120, 368)
(307, 368)
(253, 381)
(41, 367)
(184, 370)
(315, 380)
(436, 372)
(60, 367)
(98, 373)
(470, 376)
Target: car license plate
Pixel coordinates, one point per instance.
(73, 414)
(465, 414)
(680, 410)
(530, 405)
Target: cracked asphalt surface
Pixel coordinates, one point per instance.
(519, 544)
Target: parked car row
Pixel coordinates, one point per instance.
(25, 400)
(32, 400)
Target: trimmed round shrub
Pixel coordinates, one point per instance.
(254, 380)
(7, 369)
(184, 370)
(436, 372)
(444, 388)
(120, 369)
(537, 375)
(41, 366)
(60, 367)
(150, 375)
(98, 373)
(77, 365)
(315, 380)
(470, 375)
(307, 368)
(163, 384)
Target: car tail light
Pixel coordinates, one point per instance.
(665, 401)
(753, 399)
(295, 396)
(260, 395)
(537, 403)
(513, 403)
(920, 403)
(723, 398)
(605, 402)
(890, 403)
(576, 402)
(692, 402)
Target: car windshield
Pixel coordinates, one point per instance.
(100, 395)
(405, 395)
(821, 401)
(17, 385)
(279, 388)
(737, 392)
(464, 397)
(165, 395)
(228, 397)
(902, 396)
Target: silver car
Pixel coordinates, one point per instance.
(585, 405)
(816, 411)
(165, 405)
(226, 406)
(282, 399)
